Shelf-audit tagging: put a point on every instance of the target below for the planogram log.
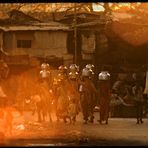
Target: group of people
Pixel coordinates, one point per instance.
(73, 91)
(130, 95)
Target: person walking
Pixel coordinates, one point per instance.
(87, 96)
(104, 93)
(84, 99)
(93, 91)
(138, 101)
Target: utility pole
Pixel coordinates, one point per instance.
(75, 33)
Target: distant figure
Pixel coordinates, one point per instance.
(73, 92)
(139, 100)
(62, 91)
(45, 74)
(8, 118)
(37, 101)
(62, 105)
(104, 91)
(72, 110)
(55, 93)
(84, 100)
(3, 97)
(4, 69)
(87, 96)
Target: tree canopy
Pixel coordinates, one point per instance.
(56, 7)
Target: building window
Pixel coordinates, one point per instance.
(23, 43)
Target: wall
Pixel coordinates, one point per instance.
(43, 42)
(8, 41)
(88, 45)
(55, 43)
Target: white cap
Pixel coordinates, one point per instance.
(74, 67)
(73, 75)
(89, 66)
(44, 65)
(104, 75)
(85, 72)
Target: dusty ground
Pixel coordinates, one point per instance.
(119, 131)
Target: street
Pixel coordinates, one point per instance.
(119, 131)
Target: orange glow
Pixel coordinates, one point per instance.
(133, 34)
(20, 127)
(9, 115)
(50, 90)
(123, 6)
(116, 8)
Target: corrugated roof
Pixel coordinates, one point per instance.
(50, 23)
(36, 26)
(90, 23)
(23, 28)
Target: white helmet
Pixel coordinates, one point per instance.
(104, 75)
(44, 73)
(90, 66)
(63, 69)
(44, 66)
(74, 68)
(86, 72)
(73, 75)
